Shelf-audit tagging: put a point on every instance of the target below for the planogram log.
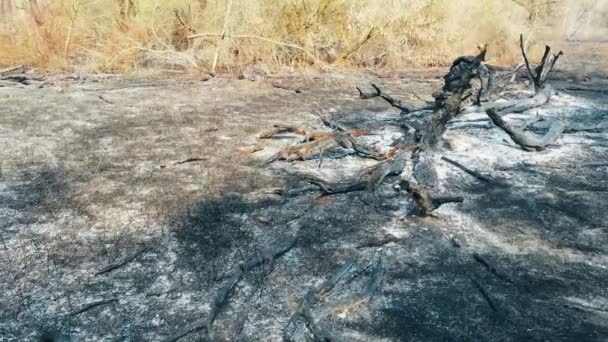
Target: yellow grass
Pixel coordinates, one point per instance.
(124, 35)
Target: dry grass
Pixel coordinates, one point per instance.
(119, 35)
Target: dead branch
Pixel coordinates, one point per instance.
(316, 147)
(489, 267)
(334, 126)
(351, 301)
(278, 85)
(525, 56)
(448, 101)
(92, 305)
(310, 135)
(103, 98)
(587, 89)
(467, 170)
(367, 179)
(541, 72)
(391, 100)
(121, 263)
(424, 201)
(526, 140)
(189, 160)
(517, 106)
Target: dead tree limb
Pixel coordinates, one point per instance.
(425, 202)
(317, 147)
(391, 100)
(367, 179)
(526, 140)
(467, 170)
(310, 135)
(517, 106)
(541, 72)
(92, 305)
(122, 262)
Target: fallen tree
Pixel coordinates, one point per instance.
(422, 184)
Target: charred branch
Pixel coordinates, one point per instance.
(367, 179)
(396, 103)
(541, 72)
(468, 171)
(517, 106)
(92, 305)
(121, 263)
(424, 201)
(319, 146)
(526, 140)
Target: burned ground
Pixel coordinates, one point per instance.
(109, 234)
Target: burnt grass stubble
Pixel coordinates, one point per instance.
(433, 288)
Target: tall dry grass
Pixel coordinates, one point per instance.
(126, 35)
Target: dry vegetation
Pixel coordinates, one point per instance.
(127, 35)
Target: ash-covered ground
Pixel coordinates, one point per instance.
(127, 204)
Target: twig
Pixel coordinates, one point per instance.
(284, 87)
(92, 305)
(525, 56)
(121, 263)
(189, 160)
(102, 98)
(467, 170)
(73, 17)
(391, 100)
